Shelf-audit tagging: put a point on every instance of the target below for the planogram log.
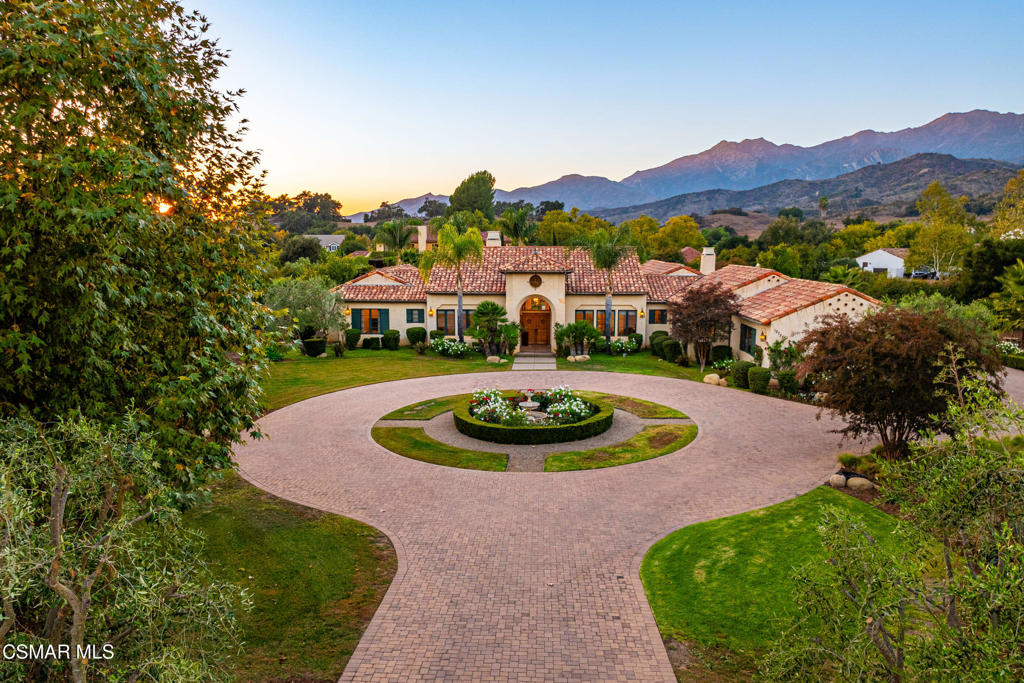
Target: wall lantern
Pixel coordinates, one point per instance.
(431, 312)
(348, 311)
(764, 336)
(641, 313)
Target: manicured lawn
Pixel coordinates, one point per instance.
(315, 579)
(413, 442)
(653, 441)
(725, 585)
(425, 410)
(640, 363)
(637, 406)
(300, 377)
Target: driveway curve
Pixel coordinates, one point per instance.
(531, 576)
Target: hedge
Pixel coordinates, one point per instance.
(1015, 362)
(371, 343)
(738, 373)
(787, 382)
(721, 352)
(671, 350)
(352, 338)
(637, 339)
(436, 334)
(598, 423)
(416, 334)
(758, 378)
(314, 347)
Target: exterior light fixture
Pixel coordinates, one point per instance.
(641, 313)
(763, 336)
(431, 312)
(348, 311)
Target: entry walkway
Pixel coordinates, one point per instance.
(534, 358)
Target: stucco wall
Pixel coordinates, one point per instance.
(396, 316)
(893, 264)
(759, 286)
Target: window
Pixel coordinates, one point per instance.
(333, 247)
(414, 315)
(585, 315)
(657, 316)
(600, 321)
(466, 313)
(879, 270)
(370, 320)
(446, 322)
(748, 339)
(627, 323)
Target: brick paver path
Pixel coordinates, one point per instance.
(530, 576)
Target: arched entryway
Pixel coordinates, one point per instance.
(535, 317)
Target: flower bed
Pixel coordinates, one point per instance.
(496, 416)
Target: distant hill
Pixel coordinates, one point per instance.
(892, 184)
(977, 134)
(577, 190)
(411, 205)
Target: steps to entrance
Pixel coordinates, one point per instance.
(534, 360)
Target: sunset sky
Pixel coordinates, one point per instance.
(375, 101)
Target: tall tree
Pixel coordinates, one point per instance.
(475, 193)
(454, 250)
(677, 233)
(432, 208)
(702, 315)
(1008, 221)
(515, 224)
(395, 235)
(607, 247)
(822, 207)
(295, 247)
(944, 236)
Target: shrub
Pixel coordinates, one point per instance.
(451, 348)
(720, 353)
(638, 340)
(658, 333)
(598, 423)
(671, 350)
(738, 373)
(599, 344)
(274, 352)
(621, 346)
(420, 347)
(1016, 362)
(390, 339)
(338, 348)
(314, 347)
(436, 334)
(657, 345)
(787, 382)
(352, 338)
(371, 343)
(416, 334)
(758, 378)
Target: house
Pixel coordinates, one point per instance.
(689, 254)
(427, 238)
(889, 260)
(331, 243)
(541, 286)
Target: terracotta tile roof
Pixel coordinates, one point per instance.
(662, 287)
(690, 254)
(735, 276)
(656, 267)
(360, 253)
(408, 286)
(901, 252)
(487, 277)
(792, 296)
(535, 262)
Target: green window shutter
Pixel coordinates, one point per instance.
(410, 315)
(357, 319)
(384, 327)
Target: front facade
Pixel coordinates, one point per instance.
(543, 286)
(890, 260)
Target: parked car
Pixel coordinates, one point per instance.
(924, 274)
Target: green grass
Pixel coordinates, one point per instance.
(637, 406)
(413, 442)
(653, 441)
(301, 377)
(425, 410)
(726, 585)
(640, 363)
(315, 578)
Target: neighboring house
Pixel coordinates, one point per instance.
(427, 238)
(890, 260)
(361, 252)
(689, 254)
(541, 286)
(331, 243)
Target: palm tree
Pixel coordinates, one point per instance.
(515, 224)
(606, 248)
(487, 321)
(395, 235)
(454, 250)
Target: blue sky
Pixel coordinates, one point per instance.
(376, 101)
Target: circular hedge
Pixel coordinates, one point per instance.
(598, 423)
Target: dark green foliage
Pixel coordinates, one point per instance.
(671, 350)
(792, 212)
(274, 352)
(338, 348)
(599, 344)
(416, 334)
(983, 264)
(637, 339)
(658, 333)
(881, 286)
(300, 246)
(371, 343)
(658, 345)
(1013, 361)
(436, 334)
(787, 382)
(314, 347)
(738, 374)
(758, 378)
(421, 347)
(352, 338)
(598, 423)
(391, 339)
(721, 352)
(475, 193)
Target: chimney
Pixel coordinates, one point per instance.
(707, 261)
(493, 238)
(421, 237)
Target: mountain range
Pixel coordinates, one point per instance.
(978, 134)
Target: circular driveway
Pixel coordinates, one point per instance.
(531, 576)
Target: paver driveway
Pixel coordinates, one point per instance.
(530, 576)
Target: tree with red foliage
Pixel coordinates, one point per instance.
(702, 315)
(883, 373)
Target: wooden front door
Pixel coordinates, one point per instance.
(537, 326)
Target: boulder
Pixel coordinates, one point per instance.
(322, 355)
(723, 382)
(493, 359)
(711, 379)
(571, 359)
(860, 484)
(837, 481)
(504, 360)
(584, 357)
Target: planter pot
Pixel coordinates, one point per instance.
(314, 347)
